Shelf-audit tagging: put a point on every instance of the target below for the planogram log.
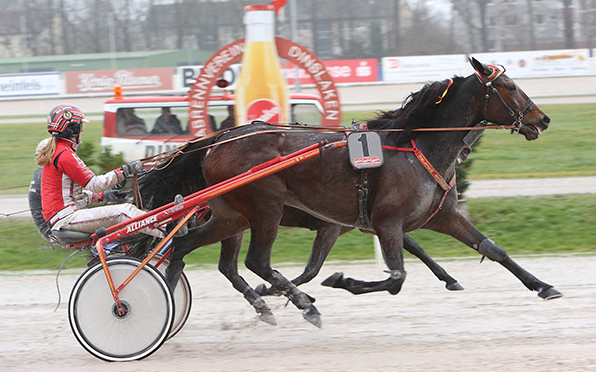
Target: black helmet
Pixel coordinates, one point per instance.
(65, 121)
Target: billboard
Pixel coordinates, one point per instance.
(131, 80)
(422, 69)
(541, 63)
(187, 75)
(15, 85)
(343, 71)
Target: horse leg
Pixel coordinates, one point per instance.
(213, 231)
(461, 229)
(327, 234)
(258, 260)
(392, 248)
(228, 266)
(326, 237)
(414, 248)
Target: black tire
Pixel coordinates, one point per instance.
(182, 298)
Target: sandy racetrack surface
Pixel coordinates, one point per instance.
(495, 324)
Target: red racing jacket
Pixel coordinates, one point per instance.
(63, 182)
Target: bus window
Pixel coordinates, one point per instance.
(130, 124)
(305, 113)
(148, 121)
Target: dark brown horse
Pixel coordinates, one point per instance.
(159, 189)
(403, 194)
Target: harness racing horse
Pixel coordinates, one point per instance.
(409, 191)
(157, 189)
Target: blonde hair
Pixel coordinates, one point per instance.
(44, 156)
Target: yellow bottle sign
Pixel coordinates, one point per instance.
(261, 92)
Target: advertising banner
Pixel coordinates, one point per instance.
(342, 71)
(131, 80)
(541, 63)
(422, 69)
(187, 75)
(232, 53)
(16, 85)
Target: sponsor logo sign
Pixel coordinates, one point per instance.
(140, 224)
(264, 110)
(232, 53)
(541, 63)
(187, 75)
(422, 69)
(30, 84)
(342, 71)
(131, 80)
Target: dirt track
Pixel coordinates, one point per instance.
(494, 325)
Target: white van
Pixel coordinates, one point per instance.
(306, 108)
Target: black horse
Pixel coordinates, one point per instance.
(404, 194)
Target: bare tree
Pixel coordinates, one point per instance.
(588, 22)
(568, 22)
(473, 14)
(426, 34)
(395, 29)
(531, 24)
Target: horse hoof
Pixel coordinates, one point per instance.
(454, 287)
(268, 318)
(261, 289)
(312, 315)
(549, 294)
(332, 280)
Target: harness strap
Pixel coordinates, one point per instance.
(451, 184)
(446, 186)
(363, 218)
(424, 161)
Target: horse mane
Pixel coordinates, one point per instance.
(421, 109)
(180, 175)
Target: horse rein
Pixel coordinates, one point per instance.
(488, 81)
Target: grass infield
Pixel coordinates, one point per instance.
(523, 226)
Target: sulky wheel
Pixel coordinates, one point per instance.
(182, 298)
(148, 318)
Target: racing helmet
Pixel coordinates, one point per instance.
(65, 121)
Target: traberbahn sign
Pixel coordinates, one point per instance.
(232, 53)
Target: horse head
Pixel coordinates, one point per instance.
(520, 110)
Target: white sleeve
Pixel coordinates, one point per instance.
(104, 182)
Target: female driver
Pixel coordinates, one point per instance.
(64, 176)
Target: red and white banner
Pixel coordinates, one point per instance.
(131, 80)
(342, 71)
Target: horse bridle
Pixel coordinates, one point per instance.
(488, 81)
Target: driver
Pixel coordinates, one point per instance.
(65, 176)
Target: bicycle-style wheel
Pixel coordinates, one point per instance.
(148, 318)
(182, 298)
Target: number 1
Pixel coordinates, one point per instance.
(362, 139)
